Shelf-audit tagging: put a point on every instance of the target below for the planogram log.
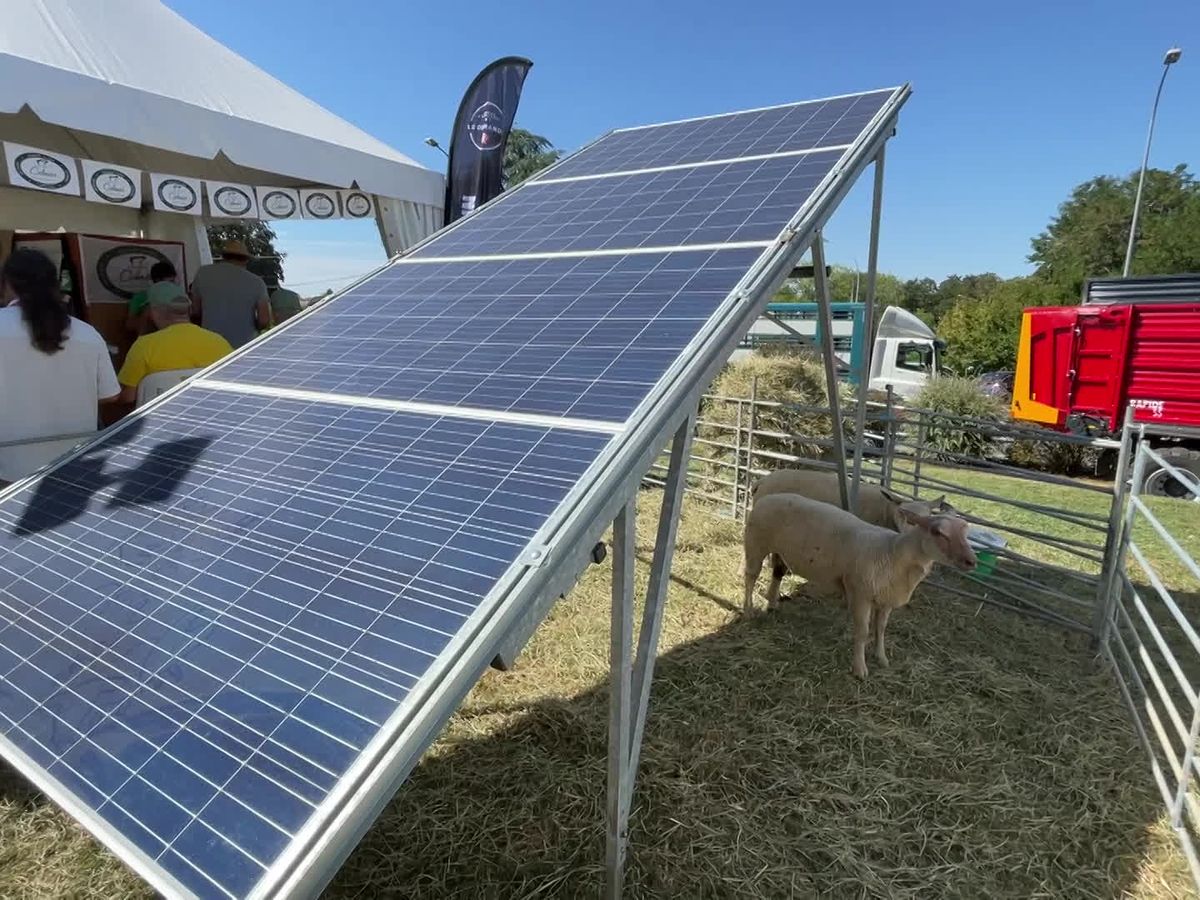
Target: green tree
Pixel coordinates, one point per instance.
(843, 282)
(920, 297)
(1087, 238)
(259, 238)
(981, 332)
(526, 153)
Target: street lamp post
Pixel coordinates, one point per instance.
(1172, 56)
(433, 142)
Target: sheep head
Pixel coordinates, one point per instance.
(943, 538)
(920, 507)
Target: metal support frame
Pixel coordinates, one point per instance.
(629, 690)
(831, 382)
(864, 369)
(889, 440)
(750, 447)
(1114, 541)
(1130, 627)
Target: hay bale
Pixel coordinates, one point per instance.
(787, 375)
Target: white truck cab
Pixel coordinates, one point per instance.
(906, 353)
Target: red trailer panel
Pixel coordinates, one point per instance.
(1090, 362)
(1163, 366)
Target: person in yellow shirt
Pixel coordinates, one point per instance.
(177, 344)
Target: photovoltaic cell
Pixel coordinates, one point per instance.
(799, 126)
(206, 617)
(746, 201)
(584, 337)
(204, 624)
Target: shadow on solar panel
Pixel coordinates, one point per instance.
(230, 625)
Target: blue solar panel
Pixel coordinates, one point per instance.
(206, 617)
(746, 201)
(585, 337)
(780, 129)
(202, 625)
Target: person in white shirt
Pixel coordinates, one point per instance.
(54, 369)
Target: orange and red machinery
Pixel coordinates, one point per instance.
(1133, 342)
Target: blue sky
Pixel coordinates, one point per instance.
(1014, 103)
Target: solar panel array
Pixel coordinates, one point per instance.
(581, 336)
(215, 618)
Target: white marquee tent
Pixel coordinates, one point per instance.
(132, 83)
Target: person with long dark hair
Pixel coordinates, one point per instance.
(54, 369)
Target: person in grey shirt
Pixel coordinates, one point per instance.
(229, 299)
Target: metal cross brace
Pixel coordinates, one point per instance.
(629, 692)
(831, 380)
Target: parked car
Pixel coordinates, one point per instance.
(997, 384)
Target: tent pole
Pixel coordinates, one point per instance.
(629, 691)
(831, 382)
(864, 369)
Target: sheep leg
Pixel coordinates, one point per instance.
(881, 621)
(860, 610)
(751, 572)
(778, 570)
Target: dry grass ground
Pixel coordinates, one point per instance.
(994, 759)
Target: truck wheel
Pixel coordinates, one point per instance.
(1161, 483)
(1106, 464)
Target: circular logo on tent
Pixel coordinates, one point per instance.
(125, 270)
(319, 206)
(279, 204)
(358, 205)
(42, 171)
(113, 185)
(177, 195)
(232, 201)
(485, 128)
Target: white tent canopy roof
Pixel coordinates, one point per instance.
(132, 82)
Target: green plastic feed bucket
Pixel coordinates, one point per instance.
(986, 563)
(985, 544)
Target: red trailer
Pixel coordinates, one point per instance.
(1134, 342)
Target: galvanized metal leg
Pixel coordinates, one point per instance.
(620, 729)
(831, 382)
(889, 439)
(1186, 767)
(1115, 582)
(629, 697)
(1113, 544)
(864, 370)
(750, 447)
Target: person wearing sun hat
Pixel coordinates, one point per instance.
(229, 299)
(284, 303)
(177, 344)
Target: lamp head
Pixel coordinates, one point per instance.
(1172, 56)
(432, 142)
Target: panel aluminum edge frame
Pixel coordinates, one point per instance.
(125, 850)
(738, 112)
(320, 848)
(585, 511)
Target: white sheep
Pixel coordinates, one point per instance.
(873, 568)
(876, 504)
